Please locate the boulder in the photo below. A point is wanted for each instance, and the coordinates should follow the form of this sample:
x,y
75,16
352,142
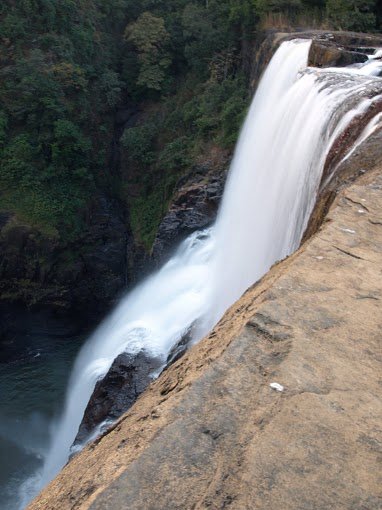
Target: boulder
x,y
113,395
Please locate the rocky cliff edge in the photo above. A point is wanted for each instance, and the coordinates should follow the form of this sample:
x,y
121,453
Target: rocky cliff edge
x,y
212,432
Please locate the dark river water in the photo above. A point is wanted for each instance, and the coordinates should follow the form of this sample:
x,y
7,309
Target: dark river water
x,y
34,370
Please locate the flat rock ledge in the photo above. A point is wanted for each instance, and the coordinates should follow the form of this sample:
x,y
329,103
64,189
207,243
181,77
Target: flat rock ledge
x,y
213,433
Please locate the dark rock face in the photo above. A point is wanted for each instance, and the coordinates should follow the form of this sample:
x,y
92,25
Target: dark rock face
x,y
43,272
125,116
194,207
113,395
104,258
127,378
180,348
328,55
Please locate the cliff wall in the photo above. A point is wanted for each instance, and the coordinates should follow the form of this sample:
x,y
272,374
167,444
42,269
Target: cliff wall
x,y
212,432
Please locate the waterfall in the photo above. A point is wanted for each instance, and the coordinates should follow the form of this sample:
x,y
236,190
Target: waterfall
x,y
153,317
274,177
294,119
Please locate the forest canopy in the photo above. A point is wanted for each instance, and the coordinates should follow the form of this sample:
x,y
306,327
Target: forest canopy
x,y
66,66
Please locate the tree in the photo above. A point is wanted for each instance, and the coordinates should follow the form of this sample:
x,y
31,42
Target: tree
x,y
149,36
289,6
203,36
69,150
355,15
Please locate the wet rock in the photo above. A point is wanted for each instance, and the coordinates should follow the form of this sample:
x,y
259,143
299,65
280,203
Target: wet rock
x,y
367,155
180,348
194,208
126,379
113,395
329,55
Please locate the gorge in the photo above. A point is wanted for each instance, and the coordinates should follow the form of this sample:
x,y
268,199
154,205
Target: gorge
x,y
301,119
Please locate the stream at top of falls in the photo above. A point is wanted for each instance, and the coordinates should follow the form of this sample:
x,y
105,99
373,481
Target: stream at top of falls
x,y
295,117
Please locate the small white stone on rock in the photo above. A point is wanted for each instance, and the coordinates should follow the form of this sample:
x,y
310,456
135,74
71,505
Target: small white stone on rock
x,y
348,230
319,258
361,211
276,386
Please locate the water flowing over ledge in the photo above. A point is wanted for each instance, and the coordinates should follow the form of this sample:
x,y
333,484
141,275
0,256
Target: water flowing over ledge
x,y
296,116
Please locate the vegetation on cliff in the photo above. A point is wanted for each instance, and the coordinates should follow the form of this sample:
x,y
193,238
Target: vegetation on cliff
x,y
68,67
59,84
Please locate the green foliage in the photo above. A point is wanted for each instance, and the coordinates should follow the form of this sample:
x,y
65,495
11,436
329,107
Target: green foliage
x,y
219,112
110,87
170,140
175,155
13,28
358,15
18,162
145,215
38,198
150,37
70,76
67,65
139,144
59,73
202,35
288,6
69,150
3,128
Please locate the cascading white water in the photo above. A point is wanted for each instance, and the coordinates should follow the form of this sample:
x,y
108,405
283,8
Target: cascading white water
x,y
270,193
153,317
276,171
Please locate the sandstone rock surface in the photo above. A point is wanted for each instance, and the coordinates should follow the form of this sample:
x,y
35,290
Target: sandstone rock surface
x,y
212,433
